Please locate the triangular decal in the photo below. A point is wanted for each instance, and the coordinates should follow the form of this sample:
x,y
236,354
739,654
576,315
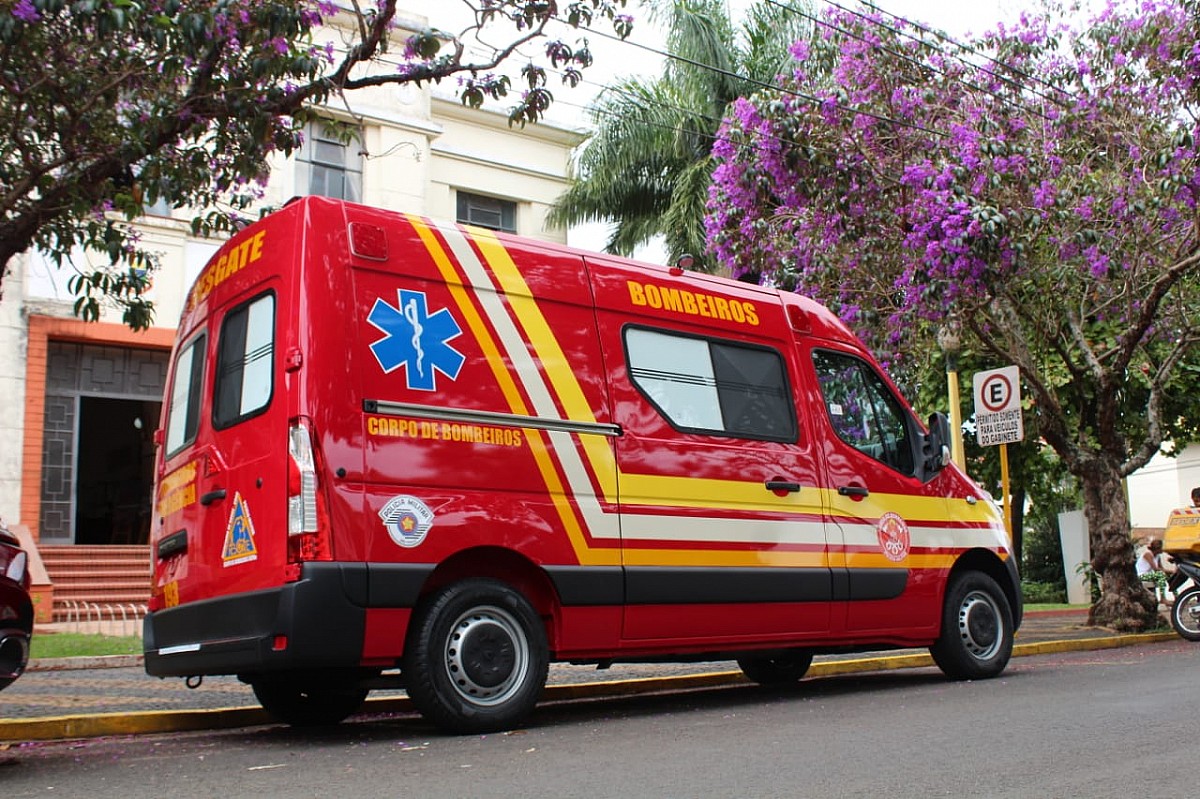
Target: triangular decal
x,y
239,535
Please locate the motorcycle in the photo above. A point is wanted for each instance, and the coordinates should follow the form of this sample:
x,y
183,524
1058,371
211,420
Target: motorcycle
x,y
1185,613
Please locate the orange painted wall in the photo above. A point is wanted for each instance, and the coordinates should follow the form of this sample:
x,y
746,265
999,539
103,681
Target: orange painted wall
x,y
43,330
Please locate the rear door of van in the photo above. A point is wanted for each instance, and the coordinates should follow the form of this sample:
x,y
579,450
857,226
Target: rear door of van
x,y
221,501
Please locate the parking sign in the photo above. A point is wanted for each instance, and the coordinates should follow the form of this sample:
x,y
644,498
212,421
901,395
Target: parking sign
x,y
998,407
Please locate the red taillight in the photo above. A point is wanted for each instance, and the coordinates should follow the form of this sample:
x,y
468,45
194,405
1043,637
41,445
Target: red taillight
x,y
13,565
293,485
308,516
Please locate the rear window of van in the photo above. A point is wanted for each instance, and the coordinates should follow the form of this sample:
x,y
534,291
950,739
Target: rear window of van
x,y
245,358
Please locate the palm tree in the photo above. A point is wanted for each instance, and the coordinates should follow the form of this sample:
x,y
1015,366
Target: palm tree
x,y
647,166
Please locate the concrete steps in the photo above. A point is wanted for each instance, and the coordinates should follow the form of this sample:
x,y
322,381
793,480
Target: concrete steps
x,y
104,581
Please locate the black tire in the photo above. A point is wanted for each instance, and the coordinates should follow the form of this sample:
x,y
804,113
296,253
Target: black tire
x,y
780,669
476,658
977,629
306,702
1185,614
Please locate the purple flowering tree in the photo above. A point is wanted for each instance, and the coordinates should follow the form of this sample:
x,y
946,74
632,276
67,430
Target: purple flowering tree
x,y
1038,187
108,106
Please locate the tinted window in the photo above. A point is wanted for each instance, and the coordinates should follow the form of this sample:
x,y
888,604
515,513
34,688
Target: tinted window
x,y
183,415
707,386
244,361
864,413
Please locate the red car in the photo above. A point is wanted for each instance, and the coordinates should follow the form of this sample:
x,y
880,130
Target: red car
x,y
16,609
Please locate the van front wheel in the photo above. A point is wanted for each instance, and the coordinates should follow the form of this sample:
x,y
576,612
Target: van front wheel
x,y
476,658
305,703
977,629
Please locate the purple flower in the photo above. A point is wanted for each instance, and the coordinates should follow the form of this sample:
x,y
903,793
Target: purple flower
x,y
24,10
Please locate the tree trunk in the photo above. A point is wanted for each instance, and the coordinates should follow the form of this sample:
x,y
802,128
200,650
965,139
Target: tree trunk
x,y
1124,603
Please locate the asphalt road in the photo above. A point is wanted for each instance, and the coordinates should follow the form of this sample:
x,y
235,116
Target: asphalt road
x,y
1108,723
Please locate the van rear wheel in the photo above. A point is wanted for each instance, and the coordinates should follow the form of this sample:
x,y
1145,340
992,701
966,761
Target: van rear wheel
x,y
476,658
306,703
779,669
977,629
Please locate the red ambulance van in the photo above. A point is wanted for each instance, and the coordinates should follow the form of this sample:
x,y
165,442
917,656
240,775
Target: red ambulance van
x,y
398,452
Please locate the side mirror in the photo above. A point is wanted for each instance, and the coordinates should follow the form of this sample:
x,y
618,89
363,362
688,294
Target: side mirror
x,y
936,448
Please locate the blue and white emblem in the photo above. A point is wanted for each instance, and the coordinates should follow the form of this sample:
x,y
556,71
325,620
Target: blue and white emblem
x,y
407,520
416,340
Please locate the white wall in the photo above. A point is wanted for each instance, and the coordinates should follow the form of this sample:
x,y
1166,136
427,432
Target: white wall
x,y
1162,485
13,344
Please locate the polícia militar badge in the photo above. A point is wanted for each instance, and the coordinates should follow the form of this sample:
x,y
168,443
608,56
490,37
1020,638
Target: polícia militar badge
x,y
407,520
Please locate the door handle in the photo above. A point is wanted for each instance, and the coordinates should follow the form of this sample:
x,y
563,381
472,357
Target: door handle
x,y
853,491
786,486
212,496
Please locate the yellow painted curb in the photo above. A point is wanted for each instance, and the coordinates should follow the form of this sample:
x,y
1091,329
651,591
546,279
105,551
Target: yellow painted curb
x,y
102,724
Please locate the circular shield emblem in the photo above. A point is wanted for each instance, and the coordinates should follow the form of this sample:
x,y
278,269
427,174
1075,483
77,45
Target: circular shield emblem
x,y
893,537
407,520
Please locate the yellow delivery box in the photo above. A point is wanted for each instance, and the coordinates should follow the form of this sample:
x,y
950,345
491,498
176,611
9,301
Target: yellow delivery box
x,y
1183,531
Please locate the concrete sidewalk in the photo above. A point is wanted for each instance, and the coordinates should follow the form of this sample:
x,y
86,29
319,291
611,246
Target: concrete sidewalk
x,y
86,697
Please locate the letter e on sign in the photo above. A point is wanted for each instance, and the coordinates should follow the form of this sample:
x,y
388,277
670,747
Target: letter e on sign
x,y
998,406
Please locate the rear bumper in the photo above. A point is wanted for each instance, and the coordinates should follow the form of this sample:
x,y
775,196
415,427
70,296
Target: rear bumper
x,y
322,617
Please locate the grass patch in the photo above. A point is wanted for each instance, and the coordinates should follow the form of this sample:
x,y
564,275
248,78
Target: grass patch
x,y
73,645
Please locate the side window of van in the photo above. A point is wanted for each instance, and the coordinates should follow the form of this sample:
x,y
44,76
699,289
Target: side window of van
x,y
183,416
709,386
864,413
244,361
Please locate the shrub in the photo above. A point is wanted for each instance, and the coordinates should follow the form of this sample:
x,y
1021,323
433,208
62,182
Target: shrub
x,y
1042,593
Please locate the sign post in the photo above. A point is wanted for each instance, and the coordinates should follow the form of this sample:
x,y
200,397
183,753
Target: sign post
x,y
998,420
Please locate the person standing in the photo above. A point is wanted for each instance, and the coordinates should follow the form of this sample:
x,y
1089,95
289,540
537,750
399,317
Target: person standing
x,y
1150,569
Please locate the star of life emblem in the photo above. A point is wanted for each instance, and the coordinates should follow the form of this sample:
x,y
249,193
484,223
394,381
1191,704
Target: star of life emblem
x,y
416,339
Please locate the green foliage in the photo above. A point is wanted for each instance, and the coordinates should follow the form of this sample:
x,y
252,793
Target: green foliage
x,y
1046,202
110,106
1093,580
1037,593
647,167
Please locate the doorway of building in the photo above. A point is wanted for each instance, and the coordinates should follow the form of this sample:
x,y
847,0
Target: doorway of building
x,y
114,470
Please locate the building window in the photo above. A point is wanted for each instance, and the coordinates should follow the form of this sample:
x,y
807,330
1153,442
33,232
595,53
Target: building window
x,y
488,212
328,166
160,207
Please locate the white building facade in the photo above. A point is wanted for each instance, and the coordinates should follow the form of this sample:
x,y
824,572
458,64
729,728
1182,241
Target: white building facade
x,y
1162,485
